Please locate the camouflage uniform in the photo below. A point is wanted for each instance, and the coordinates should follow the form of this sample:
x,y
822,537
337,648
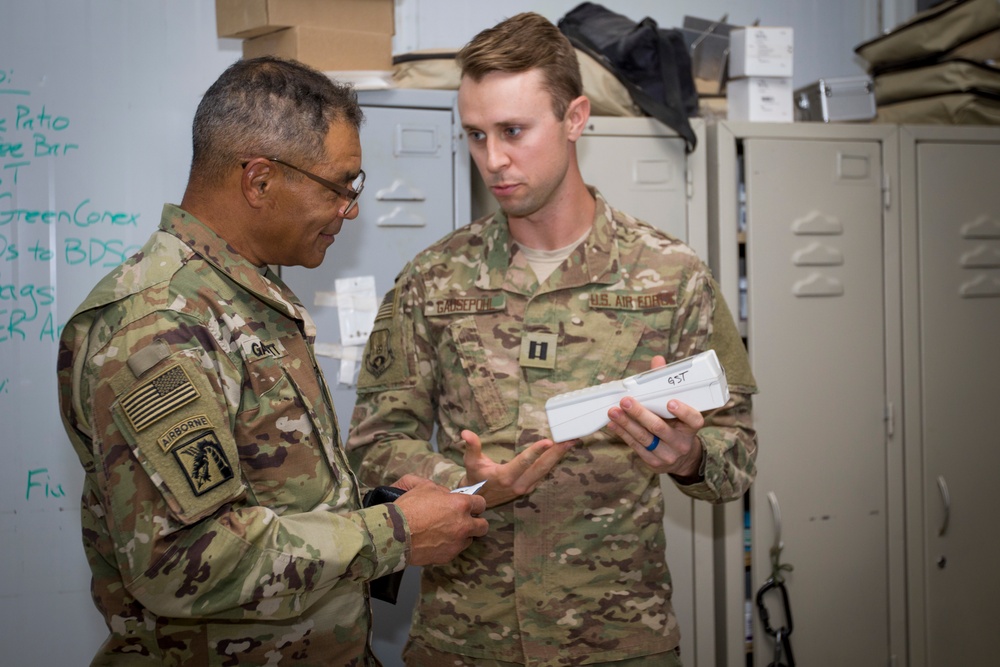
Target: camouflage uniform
x,y
574,572
220,518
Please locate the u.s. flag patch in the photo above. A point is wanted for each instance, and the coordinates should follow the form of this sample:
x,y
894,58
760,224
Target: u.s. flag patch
x,y
158,397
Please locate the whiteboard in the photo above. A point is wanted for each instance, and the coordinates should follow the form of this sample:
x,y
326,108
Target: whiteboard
x,y
96,103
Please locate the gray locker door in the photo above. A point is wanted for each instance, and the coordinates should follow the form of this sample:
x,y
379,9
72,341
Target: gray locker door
x,y
959,308
816,339
642,175
408,203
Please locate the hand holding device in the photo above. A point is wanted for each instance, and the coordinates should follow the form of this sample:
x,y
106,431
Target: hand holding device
x,y
699,381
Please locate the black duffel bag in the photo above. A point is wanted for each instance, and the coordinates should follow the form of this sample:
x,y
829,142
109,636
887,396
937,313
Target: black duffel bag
x,y
651,62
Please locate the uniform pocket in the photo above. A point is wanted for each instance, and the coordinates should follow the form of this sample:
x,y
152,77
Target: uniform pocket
x,y
278,428
473,355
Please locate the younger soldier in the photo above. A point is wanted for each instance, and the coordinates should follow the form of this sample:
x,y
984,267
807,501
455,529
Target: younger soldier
x,y
554,292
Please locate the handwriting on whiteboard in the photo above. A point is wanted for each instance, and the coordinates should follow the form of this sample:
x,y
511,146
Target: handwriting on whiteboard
x,y
81,233
40,485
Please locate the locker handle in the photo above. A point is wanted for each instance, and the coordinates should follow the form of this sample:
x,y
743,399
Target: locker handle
x,y
772,499
946,500
399,191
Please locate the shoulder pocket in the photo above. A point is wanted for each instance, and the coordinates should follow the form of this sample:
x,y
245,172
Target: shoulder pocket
x,y
178,429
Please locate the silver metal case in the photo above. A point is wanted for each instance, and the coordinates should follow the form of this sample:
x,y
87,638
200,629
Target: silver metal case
x,y
836,99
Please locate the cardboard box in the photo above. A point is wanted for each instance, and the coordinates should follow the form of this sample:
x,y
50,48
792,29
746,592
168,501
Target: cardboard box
x,y
251,18
760,98
760,51
324,49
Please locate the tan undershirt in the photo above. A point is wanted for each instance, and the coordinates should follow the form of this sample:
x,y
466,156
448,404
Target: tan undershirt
x,y
544,262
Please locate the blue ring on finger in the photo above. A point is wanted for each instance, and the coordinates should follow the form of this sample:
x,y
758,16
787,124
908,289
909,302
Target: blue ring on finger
x,y
653,445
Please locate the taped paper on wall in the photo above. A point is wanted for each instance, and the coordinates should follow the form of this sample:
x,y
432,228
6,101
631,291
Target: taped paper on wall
x,y
356,301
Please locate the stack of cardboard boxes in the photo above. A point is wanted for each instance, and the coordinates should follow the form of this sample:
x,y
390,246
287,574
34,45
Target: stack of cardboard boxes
x,y
329,35
760,74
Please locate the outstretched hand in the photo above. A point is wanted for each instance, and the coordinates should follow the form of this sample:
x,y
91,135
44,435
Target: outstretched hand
x,y
679,451
520,475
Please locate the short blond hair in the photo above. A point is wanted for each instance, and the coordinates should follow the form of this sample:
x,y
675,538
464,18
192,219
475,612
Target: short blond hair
x,y
524,42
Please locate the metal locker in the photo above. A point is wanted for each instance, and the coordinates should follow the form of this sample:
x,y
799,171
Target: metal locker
x,y
821,268
951,310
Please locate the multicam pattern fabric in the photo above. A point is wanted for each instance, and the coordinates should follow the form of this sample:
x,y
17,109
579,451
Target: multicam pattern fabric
x,y
221,521
575,572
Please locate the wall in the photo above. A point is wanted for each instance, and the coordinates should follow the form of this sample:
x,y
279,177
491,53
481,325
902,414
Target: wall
x,y
96,101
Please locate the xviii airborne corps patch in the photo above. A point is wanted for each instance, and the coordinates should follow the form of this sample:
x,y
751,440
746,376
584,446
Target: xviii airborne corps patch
x,y
204,463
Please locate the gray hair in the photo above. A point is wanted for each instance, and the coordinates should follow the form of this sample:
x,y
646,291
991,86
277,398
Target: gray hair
x,y
268,107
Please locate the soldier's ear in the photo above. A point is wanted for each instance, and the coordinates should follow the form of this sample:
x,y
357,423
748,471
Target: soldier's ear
x,y
577,115
257,181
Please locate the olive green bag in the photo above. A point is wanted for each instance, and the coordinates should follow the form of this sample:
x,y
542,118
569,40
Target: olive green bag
x,y
931,33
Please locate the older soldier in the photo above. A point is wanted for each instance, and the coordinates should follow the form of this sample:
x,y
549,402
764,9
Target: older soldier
x,y
554,292
220,518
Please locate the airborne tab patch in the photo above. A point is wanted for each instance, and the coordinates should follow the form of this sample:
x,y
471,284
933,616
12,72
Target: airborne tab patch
x,y
182,428
158,397
204,463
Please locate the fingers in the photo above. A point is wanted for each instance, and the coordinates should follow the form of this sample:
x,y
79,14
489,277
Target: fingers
x,y
665,445
534,463
473,444
408,482
441,524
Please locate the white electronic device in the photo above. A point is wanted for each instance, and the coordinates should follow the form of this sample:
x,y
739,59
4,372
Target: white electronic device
x,y
699,381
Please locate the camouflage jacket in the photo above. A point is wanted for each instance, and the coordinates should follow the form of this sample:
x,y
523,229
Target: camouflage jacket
x,y
220,518
574,572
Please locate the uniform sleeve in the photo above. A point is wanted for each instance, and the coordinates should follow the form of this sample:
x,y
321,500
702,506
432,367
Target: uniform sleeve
x,y
394,414
187,533
728,437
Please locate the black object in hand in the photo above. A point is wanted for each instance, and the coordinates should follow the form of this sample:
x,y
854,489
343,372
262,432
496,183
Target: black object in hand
x,y
384,588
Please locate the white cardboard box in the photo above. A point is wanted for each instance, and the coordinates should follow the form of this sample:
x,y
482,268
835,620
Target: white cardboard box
x,y
760,99
760,51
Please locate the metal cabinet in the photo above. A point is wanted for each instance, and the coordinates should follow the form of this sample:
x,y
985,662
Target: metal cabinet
x,y
951,311
820,253
417,190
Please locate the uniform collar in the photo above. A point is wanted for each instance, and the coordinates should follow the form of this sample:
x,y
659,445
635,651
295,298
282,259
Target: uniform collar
x,y
205,243
596,260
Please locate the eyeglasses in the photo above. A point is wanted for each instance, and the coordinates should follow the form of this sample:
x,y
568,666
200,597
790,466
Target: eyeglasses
x,y
351,194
